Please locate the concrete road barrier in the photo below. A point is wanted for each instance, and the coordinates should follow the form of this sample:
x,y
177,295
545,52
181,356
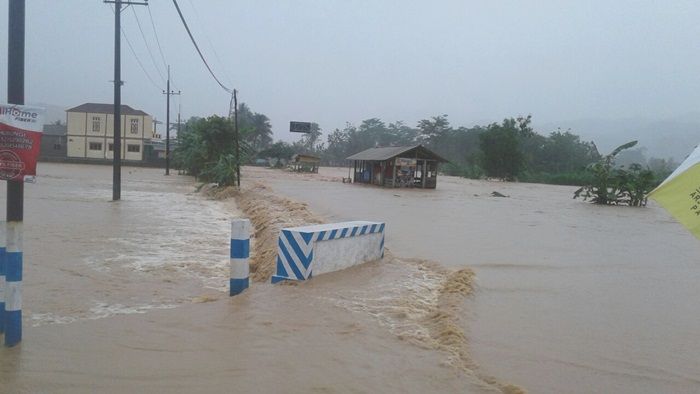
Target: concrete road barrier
x,y
318,249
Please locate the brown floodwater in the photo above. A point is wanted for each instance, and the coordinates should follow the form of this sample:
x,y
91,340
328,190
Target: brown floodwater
x,y
570,297
130,296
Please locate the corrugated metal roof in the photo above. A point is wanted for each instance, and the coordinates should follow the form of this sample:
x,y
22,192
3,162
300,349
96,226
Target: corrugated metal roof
x,y
99,108
381,154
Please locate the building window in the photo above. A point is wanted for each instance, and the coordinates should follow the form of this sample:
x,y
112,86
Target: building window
x,y
133,148
110,146
134,126
95,146
56,146
96,127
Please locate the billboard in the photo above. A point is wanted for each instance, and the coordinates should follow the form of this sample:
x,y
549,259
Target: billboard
x,y
20,140
406,162
300,127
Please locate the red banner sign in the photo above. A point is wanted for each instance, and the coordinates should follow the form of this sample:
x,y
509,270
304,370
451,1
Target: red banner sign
x,y
20,140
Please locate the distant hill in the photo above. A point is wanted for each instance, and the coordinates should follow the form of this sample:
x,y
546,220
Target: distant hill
x,y
669,138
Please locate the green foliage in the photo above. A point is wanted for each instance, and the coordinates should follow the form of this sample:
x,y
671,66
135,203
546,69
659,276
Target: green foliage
x,y
255,128
561,152
278,150
433,128
471,171
206,150
573,178
223,173
635,184
342,143
613,185
500,147
309,143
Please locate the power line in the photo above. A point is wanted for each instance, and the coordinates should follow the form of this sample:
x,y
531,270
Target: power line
x,y
133,52
148,48
155,32
199,51
206,36
160,48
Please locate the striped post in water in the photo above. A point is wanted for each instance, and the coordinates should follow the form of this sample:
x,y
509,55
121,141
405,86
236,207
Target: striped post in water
x,y
240,251
3,240
13,284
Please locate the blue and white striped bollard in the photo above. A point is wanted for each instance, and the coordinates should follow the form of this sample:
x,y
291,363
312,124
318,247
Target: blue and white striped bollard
x,y
13,284
3,240
240,251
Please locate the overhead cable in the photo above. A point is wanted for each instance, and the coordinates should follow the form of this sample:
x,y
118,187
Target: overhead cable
x,y
138,61
155,32
198,50
207,37
148,47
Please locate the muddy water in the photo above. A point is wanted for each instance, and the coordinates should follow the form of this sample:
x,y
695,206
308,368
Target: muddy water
x,y
570,297
130,296
84,251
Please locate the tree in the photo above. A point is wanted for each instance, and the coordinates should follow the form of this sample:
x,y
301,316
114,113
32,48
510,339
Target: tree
x,y
206,150
401,134
562,152
255,127
278,150
309,141
501,155
433,128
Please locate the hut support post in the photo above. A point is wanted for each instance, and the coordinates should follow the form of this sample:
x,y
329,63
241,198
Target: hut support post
x,y
382,168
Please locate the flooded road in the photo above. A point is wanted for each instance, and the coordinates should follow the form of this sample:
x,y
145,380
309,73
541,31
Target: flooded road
x,y
84,250
131,296
570,297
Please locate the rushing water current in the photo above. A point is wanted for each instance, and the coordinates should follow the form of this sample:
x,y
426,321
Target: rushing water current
x,y
130,296
571,297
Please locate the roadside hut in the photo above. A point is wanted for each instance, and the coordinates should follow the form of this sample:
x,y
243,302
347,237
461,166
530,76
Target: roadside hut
x,y
305,163
397,166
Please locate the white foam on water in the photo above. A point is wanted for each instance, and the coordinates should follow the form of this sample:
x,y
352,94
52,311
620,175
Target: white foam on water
x,y
401,304
173,234
101,310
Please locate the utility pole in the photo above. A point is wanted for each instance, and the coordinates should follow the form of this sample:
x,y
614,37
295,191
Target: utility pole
x,y
117,161
178,123
235,136
168,93
15,189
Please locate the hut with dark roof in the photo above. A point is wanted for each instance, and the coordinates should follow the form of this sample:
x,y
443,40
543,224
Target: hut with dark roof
x,y
397,166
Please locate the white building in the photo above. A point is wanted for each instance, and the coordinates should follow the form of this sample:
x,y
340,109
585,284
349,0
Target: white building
x,y
91,131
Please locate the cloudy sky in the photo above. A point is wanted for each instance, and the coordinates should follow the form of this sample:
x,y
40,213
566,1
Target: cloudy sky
x,y
337,61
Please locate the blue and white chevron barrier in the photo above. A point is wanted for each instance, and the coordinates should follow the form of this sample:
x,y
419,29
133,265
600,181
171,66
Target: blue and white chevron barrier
x,y
313,250
240,252
3,241
13,284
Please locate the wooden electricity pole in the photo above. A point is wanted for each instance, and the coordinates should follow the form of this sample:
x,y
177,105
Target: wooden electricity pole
x,y
235,133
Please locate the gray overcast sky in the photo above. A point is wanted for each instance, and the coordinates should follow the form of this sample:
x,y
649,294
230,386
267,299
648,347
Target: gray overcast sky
x,y
338,61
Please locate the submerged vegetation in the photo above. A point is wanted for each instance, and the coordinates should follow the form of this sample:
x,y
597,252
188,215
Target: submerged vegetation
x,y
615,185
